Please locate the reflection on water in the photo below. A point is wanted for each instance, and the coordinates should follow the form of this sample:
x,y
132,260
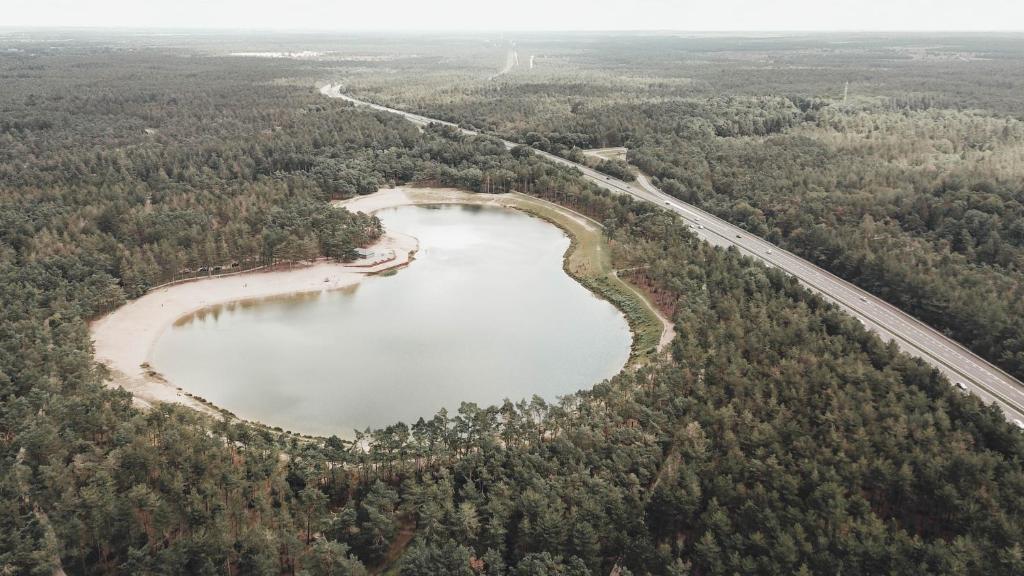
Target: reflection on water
x,y
484,313
287,300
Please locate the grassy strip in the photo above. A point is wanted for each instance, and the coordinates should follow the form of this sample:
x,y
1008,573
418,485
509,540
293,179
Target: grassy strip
x,y
588,260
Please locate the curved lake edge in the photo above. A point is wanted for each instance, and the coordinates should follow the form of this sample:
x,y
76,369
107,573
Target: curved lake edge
x,y
123,339
151,313
587,260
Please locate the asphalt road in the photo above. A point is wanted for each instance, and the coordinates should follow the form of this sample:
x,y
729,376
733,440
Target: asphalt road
x,y
958,363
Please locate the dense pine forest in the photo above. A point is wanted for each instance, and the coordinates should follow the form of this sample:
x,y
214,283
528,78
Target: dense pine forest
x,y
777,436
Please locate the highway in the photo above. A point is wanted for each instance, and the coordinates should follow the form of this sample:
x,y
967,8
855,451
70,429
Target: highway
x,y
959,364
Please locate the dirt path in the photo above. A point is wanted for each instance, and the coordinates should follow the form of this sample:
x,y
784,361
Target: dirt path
x,y
668,328
511,61
406,532
615,153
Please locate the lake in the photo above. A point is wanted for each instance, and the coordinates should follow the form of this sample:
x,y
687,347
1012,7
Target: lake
x,y
484,313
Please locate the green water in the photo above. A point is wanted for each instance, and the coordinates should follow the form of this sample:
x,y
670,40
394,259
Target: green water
x,y
484,313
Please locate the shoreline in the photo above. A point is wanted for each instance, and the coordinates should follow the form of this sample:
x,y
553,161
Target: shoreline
x,y
123,340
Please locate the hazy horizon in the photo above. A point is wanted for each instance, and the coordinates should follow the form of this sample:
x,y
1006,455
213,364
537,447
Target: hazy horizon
x,y
725,16
182,30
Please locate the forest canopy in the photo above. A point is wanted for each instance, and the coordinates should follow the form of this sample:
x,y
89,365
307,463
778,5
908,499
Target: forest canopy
x,y
778,436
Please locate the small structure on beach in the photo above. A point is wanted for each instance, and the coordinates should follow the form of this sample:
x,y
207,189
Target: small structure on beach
x,y
369,257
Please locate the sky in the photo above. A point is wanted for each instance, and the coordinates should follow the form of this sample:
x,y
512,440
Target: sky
x,y
488,15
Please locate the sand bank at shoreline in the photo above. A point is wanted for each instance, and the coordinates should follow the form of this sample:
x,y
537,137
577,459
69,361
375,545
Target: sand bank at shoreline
x,y
123,339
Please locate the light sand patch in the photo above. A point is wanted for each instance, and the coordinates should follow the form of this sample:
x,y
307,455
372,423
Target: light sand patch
x,y
616,153
407,195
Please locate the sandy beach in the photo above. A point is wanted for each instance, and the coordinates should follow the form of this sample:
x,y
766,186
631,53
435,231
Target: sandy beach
x,y
123,339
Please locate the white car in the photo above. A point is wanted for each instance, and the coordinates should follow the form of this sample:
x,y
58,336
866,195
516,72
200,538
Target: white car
x,y
1019,424
863,299
769,252
960,386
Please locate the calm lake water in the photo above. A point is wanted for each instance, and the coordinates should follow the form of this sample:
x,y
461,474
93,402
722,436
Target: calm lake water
x,y
484,313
